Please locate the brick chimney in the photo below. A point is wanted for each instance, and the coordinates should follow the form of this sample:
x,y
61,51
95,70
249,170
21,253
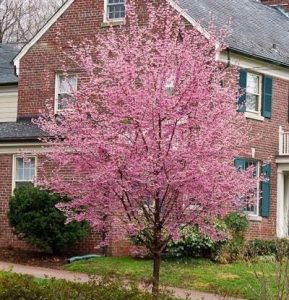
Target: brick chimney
x,y
282,3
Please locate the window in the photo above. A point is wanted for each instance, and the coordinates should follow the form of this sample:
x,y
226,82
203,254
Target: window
x,y
253,93
254,209
24,171
256,95
170,85
65,85
114,10
243,164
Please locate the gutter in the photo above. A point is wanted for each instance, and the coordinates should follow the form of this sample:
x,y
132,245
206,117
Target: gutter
x,y
21,140
265,59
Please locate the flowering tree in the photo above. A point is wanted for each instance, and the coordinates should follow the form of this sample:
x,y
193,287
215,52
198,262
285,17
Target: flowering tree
x,y
151,136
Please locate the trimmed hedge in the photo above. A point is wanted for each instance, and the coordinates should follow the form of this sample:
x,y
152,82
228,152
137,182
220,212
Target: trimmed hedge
x,y
35,219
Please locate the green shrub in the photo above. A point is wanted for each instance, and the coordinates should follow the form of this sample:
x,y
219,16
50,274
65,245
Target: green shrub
x,y
19,287
34,218
260,248
236,225
278,248
192,244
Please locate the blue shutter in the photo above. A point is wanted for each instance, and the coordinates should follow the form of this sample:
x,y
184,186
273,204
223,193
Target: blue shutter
x,y
243,85
267,97
240,163
265,188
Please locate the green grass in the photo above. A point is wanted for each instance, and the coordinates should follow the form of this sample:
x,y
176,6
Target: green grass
x,y
236,279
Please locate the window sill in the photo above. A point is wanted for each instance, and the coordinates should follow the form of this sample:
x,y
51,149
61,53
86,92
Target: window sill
x,y
112,23
250,115
254,218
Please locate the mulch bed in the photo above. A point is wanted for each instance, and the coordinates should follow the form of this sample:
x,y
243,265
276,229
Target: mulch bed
x,y
32,258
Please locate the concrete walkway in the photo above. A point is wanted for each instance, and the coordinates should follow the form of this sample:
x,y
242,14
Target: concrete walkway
x,y
81,277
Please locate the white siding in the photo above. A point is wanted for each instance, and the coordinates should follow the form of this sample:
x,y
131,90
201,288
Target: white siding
x,y
8,104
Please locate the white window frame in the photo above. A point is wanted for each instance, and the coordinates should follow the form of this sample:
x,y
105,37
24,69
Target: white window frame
x,y
106,18
15,157
253,112
258,190
57,86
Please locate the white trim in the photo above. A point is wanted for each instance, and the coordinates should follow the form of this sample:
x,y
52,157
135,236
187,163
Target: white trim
x,y
40,33
282,160
254,218
18,148
254,116
15,156
255,65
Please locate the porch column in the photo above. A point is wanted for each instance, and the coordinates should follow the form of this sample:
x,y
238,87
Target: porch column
x,y
281,230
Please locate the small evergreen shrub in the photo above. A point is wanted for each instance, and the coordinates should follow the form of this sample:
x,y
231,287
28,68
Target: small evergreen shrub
x,y
35,219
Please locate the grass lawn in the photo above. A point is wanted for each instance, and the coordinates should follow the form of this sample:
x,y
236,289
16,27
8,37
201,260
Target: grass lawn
x,y
236,279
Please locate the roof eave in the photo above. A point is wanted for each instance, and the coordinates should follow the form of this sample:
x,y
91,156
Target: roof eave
x,y
265,59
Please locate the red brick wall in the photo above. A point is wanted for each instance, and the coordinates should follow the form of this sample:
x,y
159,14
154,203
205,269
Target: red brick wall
x,y
266,146
83,20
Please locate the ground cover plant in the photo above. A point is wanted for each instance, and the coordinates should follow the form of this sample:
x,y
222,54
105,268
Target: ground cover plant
x,y
152,134
20,287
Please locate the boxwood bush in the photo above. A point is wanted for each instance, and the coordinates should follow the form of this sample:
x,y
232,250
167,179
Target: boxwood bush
x,y
35,219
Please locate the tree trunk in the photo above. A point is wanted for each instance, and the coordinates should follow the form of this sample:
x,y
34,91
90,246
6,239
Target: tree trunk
x,y
156,275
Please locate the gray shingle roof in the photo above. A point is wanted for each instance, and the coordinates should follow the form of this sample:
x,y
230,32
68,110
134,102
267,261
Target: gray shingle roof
x,y
7,53
20,131
255,27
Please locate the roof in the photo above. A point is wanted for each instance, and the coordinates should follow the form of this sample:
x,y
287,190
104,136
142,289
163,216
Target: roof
x,y
255,27
7,71
20,131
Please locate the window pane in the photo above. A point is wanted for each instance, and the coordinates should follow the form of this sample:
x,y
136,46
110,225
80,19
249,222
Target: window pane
x,y
64,100
253,83
67,84
116,10
25,170
252,102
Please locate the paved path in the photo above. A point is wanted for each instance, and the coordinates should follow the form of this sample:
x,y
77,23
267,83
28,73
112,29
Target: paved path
x,y
80,277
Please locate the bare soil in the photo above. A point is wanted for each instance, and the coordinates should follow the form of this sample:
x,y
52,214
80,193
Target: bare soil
x,y
32,258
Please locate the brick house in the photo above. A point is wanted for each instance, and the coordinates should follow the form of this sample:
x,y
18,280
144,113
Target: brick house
x,y
257,44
